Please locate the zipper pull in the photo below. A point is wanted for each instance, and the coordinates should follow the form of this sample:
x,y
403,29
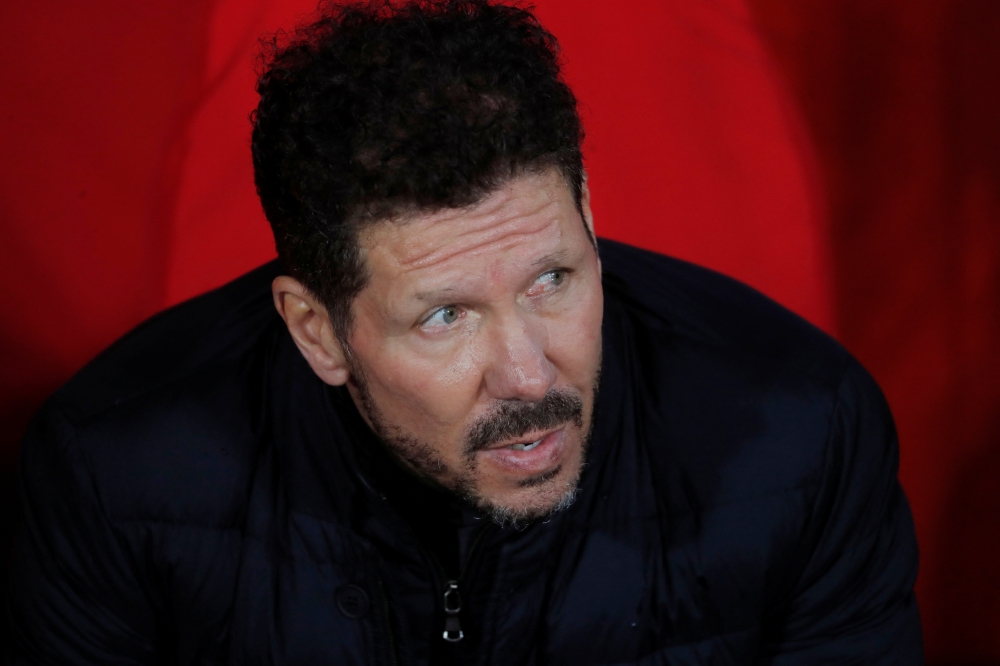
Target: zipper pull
x,y
452,607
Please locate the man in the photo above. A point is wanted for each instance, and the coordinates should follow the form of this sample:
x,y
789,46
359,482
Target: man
x,y
471,433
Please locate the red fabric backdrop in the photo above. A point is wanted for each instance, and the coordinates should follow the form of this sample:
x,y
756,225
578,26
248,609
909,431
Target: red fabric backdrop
x,y
903,102
840,156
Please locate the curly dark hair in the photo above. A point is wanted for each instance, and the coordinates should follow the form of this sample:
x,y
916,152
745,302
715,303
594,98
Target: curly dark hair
x,y
382,107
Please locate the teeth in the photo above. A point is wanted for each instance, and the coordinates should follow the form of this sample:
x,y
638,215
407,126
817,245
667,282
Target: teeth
x,y
525,447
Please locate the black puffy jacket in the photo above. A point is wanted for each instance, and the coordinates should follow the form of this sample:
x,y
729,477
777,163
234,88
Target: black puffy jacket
x,y
195,496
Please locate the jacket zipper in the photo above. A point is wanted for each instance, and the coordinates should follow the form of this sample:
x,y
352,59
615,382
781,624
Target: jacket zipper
x,y
452,607
453,597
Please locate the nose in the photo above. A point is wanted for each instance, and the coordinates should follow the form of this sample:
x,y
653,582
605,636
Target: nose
x,y
517,366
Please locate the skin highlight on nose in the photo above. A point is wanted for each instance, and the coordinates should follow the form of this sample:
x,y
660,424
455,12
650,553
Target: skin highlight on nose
x,y
519,368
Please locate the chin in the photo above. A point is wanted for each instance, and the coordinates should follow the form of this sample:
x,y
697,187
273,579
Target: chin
x,y
535,498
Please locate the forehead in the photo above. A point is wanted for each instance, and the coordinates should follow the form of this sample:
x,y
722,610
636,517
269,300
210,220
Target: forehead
x,y
534,212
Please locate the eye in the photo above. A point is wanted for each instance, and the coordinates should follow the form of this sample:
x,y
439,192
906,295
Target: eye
x,y
548,282
445,316
554,277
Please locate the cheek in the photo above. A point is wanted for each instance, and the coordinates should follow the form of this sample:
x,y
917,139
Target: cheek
x,y
575,338
438,392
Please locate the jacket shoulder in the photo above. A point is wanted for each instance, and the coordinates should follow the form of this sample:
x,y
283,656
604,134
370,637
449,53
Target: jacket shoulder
x,y
675,300
727,383
174,345
165,420
773,456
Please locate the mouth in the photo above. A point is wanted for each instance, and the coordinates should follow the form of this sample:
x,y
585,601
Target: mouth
x,y
529,456
526,442
524,447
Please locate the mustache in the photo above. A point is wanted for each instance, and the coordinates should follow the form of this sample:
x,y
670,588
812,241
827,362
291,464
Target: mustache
x,y
514,418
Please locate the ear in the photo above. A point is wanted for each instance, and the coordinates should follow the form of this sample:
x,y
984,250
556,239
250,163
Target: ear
x,y
310,326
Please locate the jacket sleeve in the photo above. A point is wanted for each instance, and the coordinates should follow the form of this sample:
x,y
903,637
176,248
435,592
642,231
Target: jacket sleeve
x,y
852,601
74,596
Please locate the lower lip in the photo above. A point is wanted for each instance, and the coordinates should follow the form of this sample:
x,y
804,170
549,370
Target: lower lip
x,y
538,460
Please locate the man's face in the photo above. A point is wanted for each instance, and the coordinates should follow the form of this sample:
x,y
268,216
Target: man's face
x,y
476,345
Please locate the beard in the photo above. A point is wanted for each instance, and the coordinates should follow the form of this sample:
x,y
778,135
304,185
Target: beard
x,y
508,419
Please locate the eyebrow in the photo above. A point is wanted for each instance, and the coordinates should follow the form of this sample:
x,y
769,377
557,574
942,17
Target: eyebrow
x,y
550,259
436,295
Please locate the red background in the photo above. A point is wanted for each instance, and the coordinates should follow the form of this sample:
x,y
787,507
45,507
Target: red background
x,y
843,156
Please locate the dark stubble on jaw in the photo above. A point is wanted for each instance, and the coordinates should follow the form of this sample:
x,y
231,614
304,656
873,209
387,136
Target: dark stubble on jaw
x,y
510,420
